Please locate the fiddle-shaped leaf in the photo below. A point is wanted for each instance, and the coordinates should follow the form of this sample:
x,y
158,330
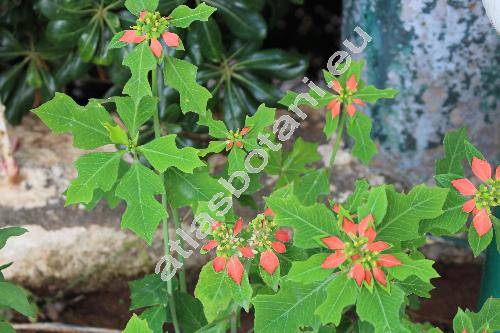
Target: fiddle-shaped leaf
x,y
181,75
341,292
183,16
138,188
134,115
359,128
62,115
163,153
140,61
95,171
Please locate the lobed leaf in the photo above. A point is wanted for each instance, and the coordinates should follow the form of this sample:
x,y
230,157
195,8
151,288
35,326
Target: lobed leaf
x,y
406,211
163,153
359,128
138,188
309,223
183,16
181,76
95,171
140,61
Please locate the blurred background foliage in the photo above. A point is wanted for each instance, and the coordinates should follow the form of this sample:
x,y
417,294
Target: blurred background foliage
x,y
61,45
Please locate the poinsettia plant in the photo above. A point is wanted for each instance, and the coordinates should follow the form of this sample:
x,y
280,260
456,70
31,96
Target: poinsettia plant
x,y
303,263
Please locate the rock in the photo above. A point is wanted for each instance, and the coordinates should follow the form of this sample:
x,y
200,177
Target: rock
x,y
66,248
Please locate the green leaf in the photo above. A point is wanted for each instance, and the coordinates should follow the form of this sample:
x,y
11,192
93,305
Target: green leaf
x,y
117,135
148,291
311,186
140,61
87,43
241,20
236,160
95,171
454,153
213,147
115,42
371,94
216,128
273,280
15,298
274,63
341,293
138,188
376,204
471,151
405,211
358,197
382,309
309,223
331,125
163,153
137,325
290,165
310,270
479,243
190,312
181,75
62,114
155,316
264,117
451,221
462,322
6,328
208,39
488,317
137,6
413,285
188,189
291,308
183,16
236,104
216,290
359,128
135,115
422,268
7,232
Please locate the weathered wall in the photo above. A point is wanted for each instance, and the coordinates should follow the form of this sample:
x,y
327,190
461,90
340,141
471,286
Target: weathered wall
x,y
444,57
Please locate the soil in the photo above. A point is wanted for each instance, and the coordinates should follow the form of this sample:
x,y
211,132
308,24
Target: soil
x,y
457,287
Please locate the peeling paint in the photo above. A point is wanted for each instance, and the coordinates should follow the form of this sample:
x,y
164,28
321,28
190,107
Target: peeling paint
x,y
444,57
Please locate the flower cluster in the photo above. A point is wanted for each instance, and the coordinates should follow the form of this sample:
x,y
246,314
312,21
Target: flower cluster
x,y
151,26
235,137
260,237
484,198
345,96
360,253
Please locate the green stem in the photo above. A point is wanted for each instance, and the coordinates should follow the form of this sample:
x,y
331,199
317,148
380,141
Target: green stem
x,y
182,272
234,320
166,236
336,144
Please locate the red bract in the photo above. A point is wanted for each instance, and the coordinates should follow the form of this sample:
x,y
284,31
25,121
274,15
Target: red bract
x,y
361,251
485,197
268,241
235,137
228,246
150,26
345,96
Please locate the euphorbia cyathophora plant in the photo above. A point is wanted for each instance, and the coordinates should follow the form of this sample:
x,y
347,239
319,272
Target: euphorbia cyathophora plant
x,y
302,263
